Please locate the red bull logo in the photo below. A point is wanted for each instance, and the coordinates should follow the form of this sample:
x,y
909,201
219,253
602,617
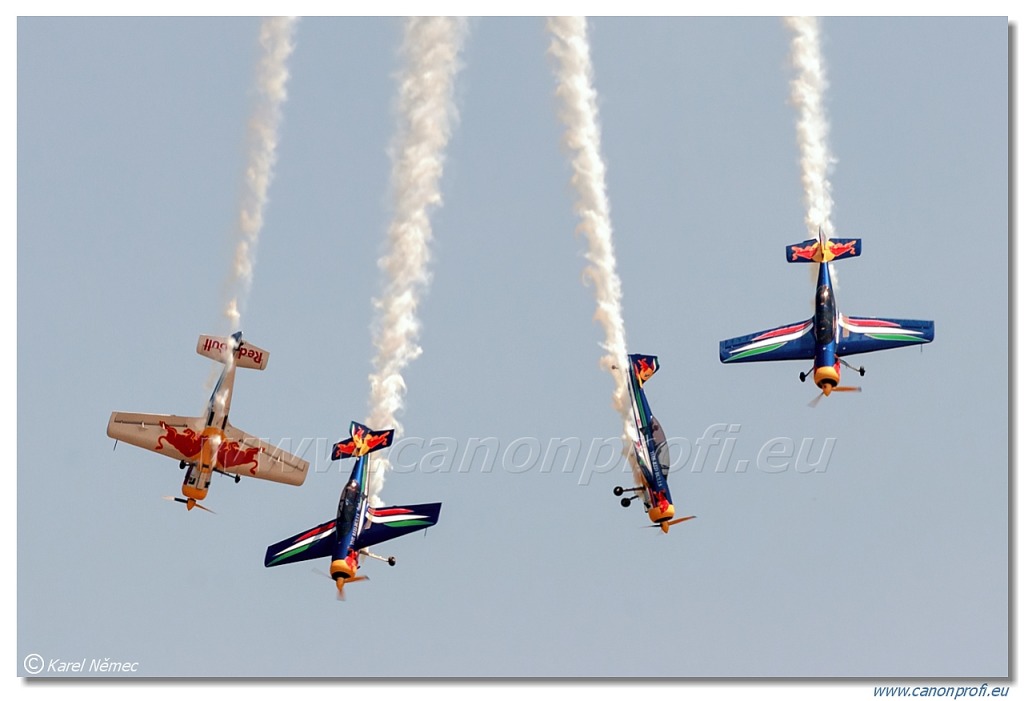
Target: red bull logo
x,y
187,442
803,252
841,249
230,454
343,449
364,441
643,369
190,444
374,441
243,351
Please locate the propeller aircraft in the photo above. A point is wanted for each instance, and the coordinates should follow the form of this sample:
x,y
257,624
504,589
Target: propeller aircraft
x,y
357,526
206,444
827,337
650,450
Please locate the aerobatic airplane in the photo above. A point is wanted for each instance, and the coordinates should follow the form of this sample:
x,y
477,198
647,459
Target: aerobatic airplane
x,y
207,444
650,449
357,526
828,336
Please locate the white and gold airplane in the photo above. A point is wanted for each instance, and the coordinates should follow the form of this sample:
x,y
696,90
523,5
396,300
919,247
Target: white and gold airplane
x,y
209,443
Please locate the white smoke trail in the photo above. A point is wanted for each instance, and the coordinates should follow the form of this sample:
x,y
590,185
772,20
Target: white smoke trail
x,y
807,94
571,50
426,112
272,75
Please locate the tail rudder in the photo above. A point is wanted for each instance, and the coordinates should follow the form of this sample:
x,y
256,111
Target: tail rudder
x,y
644,366
246,355
363,440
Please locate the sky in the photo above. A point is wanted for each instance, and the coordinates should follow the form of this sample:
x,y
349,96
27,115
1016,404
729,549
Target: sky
x,y
884,554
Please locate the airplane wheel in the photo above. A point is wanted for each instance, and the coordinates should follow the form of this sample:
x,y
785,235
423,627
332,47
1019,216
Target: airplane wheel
x,y
391,561
617,491
625,502
181,465
861,372
803,377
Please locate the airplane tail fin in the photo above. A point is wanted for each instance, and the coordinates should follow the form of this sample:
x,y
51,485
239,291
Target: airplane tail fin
x,y
363,440
822,250
644,366
246,354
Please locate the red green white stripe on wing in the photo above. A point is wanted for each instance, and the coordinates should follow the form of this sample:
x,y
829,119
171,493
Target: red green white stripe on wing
x,y
396,517
880,329
305,541
770,340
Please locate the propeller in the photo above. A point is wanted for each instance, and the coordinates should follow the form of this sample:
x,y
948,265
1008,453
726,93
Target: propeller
x,y
189,503
841,388
665,526
340,582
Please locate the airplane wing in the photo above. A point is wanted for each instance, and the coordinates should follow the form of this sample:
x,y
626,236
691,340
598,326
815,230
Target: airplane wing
x,y
308,545
387,522
791,342
177,437
866,334
246,455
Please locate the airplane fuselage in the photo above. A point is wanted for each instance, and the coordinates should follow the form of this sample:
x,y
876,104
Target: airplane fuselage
x,y
351,514
647,449
826,326
196,483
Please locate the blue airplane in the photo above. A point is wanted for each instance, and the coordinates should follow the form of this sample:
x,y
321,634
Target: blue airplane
x,y
828,336
650,450
358,526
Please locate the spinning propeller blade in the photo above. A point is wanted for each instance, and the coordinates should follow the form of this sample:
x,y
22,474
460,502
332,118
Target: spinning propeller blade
x,y
841,388
188,505
340,582
665,525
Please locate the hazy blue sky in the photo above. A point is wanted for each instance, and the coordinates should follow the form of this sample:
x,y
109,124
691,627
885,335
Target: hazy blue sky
x,y
888,559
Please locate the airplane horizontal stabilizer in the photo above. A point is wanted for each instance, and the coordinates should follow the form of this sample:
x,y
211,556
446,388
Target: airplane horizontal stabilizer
x,y
363,440
810,251
246,354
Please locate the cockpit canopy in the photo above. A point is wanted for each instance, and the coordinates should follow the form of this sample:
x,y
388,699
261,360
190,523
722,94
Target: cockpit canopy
x,y
824,315
660,446
348,503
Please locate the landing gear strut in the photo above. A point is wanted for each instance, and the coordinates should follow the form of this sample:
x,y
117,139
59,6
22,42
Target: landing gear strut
x,y
236,478
859,370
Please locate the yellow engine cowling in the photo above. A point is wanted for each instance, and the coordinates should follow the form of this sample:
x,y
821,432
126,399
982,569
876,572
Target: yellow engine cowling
x,y
659,514
826,377
342,569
